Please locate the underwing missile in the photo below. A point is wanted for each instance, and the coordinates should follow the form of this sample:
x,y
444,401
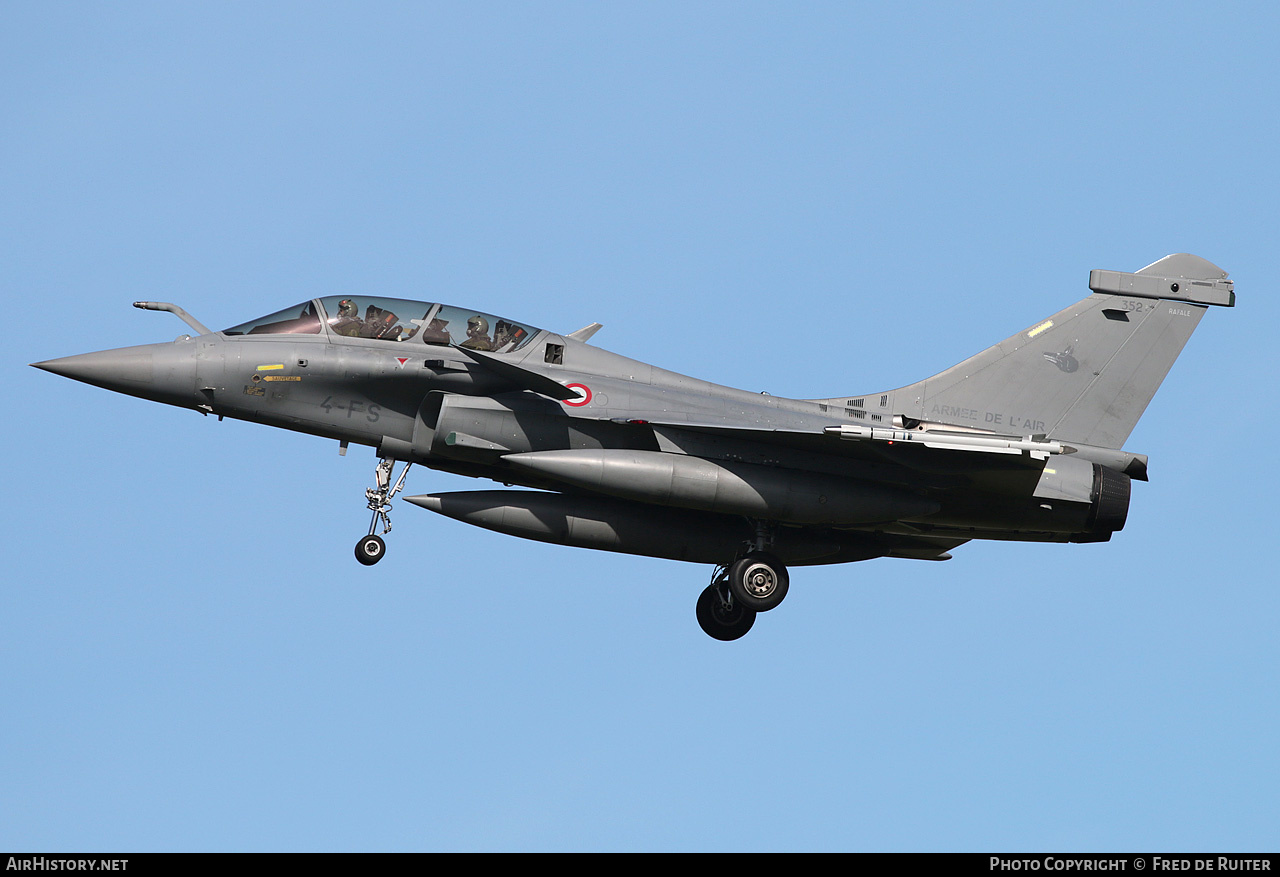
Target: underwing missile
x,y
949,441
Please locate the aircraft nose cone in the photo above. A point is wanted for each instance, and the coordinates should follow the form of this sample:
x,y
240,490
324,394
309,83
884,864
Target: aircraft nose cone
x,y
159,372
122,370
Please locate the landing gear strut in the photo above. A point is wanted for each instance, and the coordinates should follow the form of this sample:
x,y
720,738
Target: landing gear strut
x,y
371,548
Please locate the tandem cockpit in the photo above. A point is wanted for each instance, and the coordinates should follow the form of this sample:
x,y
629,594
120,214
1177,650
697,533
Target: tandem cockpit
x,y
393,319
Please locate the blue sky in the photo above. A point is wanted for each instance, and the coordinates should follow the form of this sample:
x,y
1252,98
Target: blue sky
x,y
809,199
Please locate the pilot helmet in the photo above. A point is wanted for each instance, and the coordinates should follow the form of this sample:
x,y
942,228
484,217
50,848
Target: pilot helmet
x,y
477,325
347,308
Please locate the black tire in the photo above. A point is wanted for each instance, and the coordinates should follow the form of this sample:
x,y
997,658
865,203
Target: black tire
x,y
720,622
370,549
759,581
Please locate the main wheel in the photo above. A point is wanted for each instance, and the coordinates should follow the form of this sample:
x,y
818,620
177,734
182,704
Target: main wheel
x,y
725,623
759,581
370,549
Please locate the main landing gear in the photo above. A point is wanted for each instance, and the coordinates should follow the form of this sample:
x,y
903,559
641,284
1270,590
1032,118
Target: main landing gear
x,y
371,548
751,584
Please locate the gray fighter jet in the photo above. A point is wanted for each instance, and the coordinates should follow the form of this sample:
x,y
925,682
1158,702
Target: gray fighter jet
x,y
1022,441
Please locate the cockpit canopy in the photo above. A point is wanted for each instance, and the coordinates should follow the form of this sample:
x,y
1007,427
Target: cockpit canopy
x,y
298,320
393,319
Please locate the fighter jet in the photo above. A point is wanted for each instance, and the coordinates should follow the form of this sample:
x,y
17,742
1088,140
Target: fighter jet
x,y
1023,441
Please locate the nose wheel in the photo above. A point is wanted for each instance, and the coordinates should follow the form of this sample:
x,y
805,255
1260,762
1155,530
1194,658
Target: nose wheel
x,y
371,548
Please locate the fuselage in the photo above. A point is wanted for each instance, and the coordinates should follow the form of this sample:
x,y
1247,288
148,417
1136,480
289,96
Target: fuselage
x,y
458,390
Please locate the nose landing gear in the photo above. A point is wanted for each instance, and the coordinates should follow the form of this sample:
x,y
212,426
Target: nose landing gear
x,y
371,548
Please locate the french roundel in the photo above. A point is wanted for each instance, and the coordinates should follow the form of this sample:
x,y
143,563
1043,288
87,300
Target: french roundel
x,y
583,400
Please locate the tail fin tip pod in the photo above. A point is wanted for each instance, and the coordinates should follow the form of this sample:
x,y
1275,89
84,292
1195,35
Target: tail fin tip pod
x,y
1179,277
1084,374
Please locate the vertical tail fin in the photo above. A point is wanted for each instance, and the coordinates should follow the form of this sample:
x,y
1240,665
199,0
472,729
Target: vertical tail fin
x,y
1086,373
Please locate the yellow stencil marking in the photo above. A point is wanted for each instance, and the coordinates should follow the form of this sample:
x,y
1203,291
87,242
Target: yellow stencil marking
x,y
1047,324
270,368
